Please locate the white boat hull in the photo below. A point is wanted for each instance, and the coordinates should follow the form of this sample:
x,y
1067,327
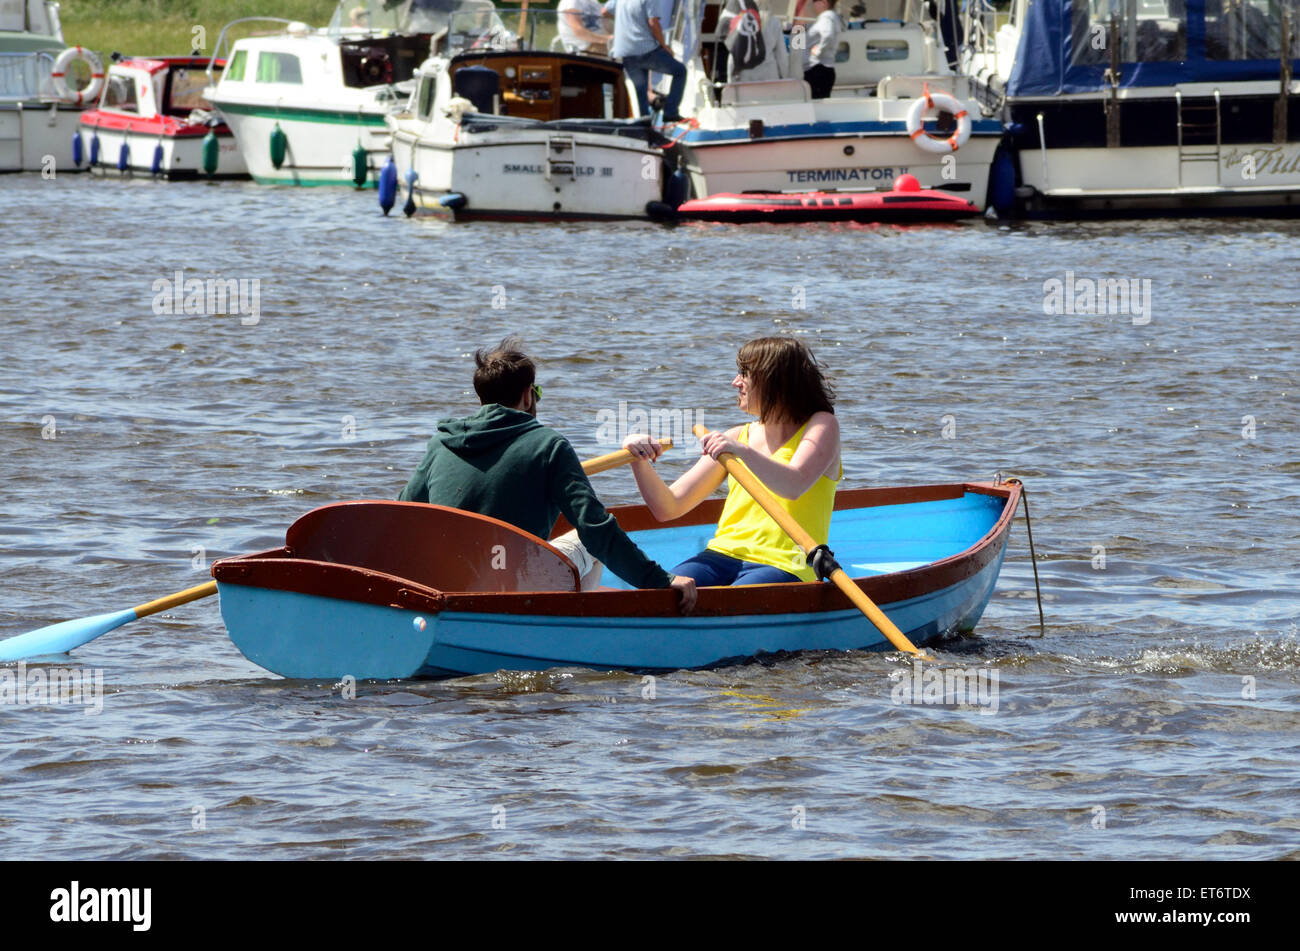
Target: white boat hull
x,y
845,161
1244,178
37,137
181,158
319,148
510,175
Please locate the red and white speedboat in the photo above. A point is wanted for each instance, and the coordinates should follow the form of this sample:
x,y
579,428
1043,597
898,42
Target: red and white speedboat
x,y
906,202
153,120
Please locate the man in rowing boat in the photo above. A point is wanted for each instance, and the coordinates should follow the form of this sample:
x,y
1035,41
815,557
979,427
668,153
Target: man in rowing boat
x,y
501,462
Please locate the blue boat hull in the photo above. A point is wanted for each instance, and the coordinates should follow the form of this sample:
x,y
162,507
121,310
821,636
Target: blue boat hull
x,y
891,548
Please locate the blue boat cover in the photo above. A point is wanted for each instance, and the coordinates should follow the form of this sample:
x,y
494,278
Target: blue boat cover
x,y
1063,44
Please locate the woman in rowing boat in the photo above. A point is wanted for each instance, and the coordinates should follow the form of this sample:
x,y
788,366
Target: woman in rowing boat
x,y
793,449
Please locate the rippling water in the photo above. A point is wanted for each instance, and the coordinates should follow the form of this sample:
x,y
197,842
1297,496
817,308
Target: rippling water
x,y
1156,719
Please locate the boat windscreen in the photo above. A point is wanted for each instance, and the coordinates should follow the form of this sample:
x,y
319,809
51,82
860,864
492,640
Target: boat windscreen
x,y
185,92
396,16
479,25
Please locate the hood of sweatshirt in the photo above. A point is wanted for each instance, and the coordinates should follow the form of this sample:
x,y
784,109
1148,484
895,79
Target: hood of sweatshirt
x,y
483,432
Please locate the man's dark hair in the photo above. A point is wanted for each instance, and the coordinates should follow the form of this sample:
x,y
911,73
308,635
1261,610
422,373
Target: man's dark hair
x,y
503,373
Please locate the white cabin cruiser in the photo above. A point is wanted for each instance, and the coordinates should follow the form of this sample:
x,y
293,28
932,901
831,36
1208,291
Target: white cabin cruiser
x,y
40,100
307,106
1118,107
898,105
505,124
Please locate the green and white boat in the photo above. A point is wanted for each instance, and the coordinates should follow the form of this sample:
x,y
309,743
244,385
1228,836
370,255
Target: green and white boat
x,y
307,106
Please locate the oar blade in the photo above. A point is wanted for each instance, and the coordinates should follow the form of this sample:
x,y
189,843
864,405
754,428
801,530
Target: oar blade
x,y
62,637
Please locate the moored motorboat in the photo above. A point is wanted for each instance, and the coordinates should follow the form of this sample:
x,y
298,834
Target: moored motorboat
x,y
152,119
898,106
503,124
393,590
41,97
307,106
1160,107
907,202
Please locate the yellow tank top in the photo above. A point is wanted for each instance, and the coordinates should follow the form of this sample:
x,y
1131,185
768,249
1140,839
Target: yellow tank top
x,y
746,532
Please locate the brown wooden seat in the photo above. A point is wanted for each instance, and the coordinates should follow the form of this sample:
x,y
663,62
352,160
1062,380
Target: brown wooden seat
x,y
432,545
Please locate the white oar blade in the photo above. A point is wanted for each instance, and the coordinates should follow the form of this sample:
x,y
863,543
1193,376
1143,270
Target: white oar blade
x,y
62,637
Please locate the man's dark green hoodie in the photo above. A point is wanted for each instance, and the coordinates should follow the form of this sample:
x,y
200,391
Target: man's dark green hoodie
x,y
503,463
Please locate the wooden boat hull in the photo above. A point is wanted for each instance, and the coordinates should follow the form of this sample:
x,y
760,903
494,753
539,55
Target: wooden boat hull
x,y
280,616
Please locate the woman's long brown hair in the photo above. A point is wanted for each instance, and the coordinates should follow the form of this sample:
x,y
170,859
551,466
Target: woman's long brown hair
x,y
791,384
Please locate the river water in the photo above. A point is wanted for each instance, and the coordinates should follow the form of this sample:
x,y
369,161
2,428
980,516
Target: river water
x,y
1157,719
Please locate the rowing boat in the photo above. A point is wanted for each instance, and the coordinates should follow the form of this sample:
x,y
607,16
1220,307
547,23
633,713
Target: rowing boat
x,y
388,590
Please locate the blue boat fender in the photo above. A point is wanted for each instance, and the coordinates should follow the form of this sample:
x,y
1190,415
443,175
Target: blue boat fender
x,y
156,165
676,189
123,157
453,200
388,186
412,176
94,148
1002,182
77,149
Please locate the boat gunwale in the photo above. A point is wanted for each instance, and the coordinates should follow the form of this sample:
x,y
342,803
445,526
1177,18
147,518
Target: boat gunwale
x,y
277,569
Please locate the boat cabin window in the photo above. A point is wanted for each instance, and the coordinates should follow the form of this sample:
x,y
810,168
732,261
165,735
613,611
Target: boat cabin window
x,y
380,60
120,95
278,68
428,88
1149,31
885,51
235,71
1249,29
185,91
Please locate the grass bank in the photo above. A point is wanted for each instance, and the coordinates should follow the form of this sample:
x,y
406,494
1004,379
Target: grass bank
x,y
158,27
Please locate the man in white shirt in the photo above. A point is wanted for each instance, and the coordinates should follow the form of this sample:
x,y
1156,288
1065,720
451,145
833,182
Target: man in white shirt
x,y
580,27
821,39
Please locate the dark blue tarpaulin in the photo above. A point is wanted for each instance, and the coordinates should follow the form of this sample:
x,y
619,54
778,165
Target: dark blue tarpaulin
x,y
1059,51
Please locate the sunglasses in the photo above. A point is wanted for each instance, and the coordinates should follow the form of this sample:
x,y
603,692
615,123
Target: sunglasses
x,y
537,392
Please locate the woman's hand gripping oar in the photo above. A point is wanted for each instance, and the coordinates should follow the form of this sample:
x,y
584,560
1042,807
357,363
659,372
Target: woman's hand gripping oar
x,y
819,556
67,635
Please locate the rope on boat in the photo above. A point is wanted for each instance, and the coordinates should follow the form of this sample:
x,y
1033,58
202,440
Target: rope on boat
x,y
689,124
1033,559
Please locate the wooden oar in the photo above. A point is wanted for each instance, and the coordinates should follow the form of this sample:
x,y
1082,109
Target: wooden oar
x,y
819,556
66,635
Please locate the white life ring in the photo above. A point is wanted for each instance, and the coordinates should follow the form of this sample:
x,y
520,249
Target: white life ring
x,y
60,73
916,122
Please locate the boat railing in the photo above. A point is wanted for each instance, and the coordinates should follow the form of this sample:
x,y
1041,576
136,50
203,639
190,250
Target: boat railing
x,y
26,76
221,37
980,26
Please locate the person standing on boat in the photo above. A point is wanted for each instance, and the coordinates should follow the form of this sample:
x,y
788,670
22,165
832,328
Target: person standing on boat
x,y
502,463
639,42
821,40
793,449
580,27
